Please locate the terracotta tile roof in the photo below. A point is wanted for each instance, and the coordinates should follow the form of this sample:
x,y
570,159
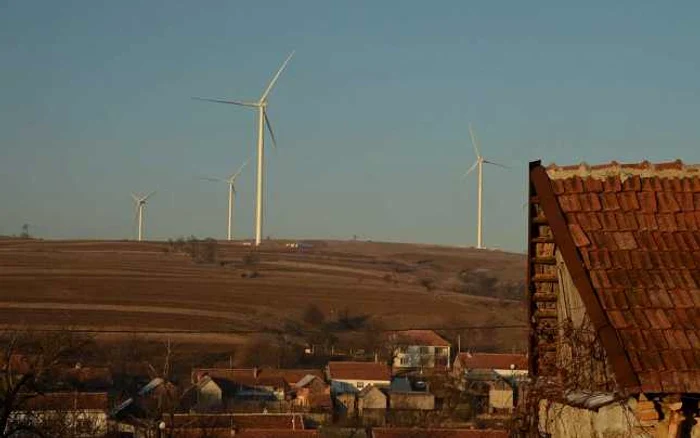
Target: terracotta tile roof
x,y
67,401
292,375
492,361
405,432
242,376
420,337
359,371
637,230
238,421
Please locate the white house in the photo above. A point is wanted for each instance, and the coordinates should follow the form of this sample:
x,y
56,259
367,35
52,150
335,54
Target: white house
x,y
419,349
351,377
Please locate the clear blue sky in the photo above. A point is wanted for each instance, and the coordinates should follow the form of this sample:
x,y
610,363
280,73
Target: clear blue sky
x,y
371,116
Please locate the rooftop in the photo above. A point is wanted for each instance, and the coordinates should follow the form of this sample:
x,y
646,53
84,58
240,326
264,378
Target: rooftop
x,y
359,371
420,337
492,361
66,401
636,229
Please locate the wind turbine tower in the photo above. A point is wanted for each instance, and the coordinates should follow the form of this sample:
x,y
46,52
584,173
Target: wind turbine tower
x,y
140,202
263,122
231,181
479,165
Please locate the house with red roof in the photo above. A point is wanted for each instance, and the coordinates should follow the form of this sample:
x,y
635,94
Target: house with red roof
x,y
352,377
613,282
419,349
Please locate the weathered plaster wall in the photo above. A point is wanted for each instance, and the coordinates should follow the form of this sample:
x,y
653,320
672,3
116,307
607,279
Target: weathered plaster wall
x,y
612,421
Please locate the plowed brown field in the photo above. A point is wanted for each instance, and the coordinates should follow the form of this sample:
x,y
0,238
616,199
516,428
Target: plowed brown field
x,y
121,285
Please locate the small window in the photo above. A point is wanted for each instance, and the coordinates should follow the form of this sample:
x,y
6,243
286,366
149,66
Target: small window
x,y
360,385
424,350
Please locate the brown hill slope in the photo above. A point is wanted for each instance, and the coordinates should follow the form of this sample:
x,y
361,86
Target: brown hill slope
x,y
119,285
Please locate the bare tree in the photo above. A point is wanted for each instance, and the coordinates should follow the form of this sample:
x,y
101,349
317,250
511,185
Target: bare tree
x,y
27,363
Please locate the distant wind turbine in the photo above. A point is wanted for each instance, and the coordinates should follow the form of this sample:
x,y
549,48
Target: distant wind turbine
x,y
263,121
231,181
140,202
479,164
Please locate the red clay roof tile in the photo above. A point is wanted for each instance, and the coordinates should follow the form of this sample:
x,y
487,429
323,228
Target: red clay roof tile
x,y
579,236
647,201
637,229
593,185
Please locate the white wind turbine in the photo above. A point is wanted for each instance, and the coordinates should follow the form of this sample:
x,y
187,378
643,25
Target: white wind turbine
x,y
231,181
140,202
263,121
479,164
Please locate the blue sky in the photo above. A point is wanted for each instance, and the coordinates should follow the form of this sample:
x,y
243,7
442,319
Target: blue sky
x,y
371,115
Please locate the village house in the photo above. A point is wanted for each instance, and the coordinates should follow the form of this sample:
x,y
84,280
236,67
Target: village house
x,y
312,393
505,365
419,349
75,414
352,377
220,388
493,379
372,404
614,300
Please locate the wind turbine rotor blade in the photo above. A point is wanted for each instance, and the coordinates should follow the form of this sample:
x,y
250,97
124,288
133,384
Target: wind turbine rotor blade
x,y
269,128
134,197
497,164
148,196
240,169
206,178
229,102
274,79
471,169
474,141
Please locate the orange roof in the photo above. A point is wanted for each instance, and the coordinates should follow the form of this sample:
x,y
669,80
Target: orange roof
x,y
492,361
67,401
359,371
265,376
405,432
420,337
241,376
635,228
